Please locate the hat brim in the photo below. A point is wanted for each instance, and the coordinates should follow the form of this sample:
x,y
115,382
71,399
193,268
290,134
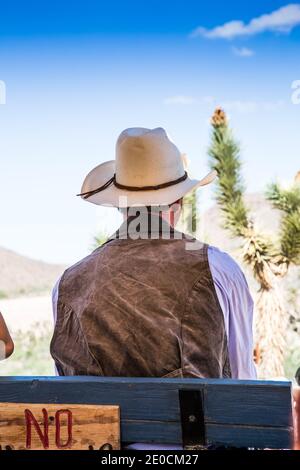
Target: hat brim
x,y
113,196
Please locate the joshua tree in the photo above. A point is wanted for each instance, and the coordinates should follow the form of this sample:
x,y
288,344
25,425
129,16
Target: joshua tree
x,y
268,259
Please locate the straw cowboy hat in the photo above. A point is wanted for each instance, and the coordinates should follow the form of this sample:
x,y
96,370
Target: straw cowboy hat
x,y
148,171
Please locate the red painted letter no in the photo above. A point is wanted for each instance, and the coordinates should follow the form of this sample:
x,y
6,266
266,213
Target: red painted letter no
x,y
58,442
44,437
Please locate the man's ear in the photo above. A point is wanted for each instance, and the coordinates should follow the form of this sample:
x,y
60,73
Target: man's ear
x,y
177,206
175,210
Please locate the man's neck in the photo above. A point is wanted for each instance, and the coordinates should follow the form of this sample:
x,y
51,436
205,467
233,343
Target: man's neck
x,y
168,217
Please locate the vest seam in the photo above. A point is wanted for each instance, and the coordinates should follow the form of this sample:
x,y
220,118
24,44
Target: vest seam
x,y
87,344
59,301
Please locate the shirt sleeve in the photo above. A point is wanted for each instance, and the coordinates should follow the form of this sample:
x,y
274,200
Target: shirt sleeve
x,y
237,306
55,293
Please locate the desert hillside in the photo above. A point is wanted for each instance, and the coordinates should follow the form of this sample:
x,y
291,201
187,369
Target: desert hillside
x,y
20,275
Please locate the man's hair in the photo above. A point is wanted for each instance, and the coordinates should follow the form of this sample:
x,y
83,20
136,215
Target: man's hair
x,y
148,209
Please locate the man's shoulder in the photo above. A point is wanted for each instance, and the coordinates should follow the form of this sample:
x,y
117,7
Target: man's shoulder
x,y
81,266
224,265
76,276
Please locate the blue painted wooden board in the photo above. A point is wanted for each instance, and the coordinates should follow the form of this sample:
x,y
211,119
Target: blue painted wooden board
x,y
239,413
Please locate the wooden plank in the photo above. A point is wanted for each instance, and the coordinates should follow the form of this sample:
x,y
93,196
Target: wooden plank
x,y
236,402
250,436
248,405
142,380
58,427
217,435
150,407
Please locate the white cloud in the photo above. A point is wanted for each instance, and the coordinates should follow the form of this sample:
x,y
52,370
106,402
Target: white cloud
x,y
246,107
240,106
272,105
243,51
282,20
180,99
236,106
206,100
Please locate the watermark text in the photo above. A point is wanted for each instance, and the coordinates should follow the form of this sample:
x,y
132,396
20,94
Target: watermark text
x,y
296,93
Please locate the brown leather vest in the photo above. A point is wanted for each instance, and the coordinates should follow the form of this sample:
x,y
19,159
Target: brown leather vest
x,y
141,308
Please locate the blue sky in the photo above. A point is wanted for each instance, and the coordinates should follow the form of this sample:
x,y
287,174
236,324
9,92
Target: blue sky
x,y
78,73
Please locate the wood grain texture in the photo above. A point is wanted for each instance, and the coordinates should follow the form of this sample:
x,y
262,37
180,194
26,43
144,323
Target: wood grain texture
x,y
250,413
55,427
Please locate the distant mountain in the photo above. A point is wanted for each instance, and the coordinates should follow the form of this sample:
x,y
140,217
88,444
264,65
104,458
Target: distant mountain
x,y
20,275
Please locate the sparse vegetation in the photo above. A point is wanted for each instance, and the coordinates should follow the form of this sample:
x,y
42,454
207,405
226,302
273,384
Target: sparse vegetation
x,y
32,355
3,295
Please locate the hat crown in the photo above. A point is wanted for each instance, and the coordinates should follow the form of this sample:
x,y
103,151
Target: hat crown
x,y
147,157
148,170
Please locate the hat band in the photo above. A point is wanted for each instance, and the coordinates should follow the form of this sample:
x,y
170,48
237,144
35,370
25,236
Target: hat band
x,y
131,188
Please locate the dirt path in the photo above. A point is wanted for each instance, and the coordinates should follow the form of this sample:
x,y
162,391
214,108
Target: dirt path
x,y
22,313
